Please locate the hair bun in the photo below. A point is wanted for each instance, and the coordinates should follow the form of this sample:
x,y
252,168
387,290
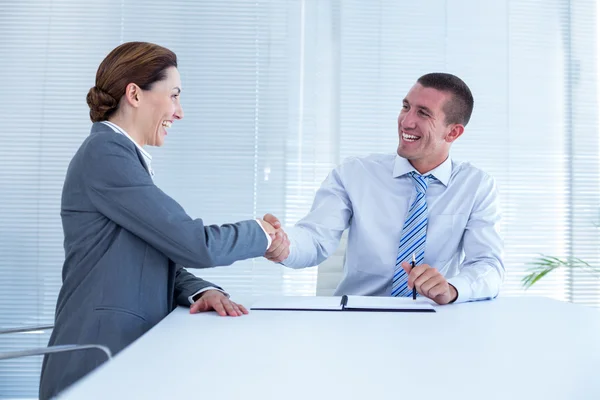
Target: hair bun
x,y
101,104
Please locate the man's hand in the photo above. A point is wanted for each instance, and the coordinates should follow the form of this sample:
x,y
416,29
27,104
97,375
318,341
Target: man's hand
x,y
216,300
430,283
280,247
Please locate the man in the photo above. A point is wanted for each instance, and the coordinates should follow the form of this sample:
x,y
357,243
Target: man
x,y
418,201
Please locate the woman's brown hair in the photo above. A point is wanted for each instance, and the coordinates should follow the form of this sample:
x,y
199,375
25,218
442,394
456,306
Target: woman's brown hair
x,y
133,62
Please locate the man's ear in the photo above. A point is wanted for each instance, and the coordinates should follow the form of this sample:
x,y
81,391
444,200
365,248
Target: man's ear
x,y
133,94
456,130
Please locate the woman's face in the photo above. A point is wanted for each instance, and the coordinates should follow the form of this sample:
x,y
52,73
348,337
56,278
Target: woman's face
x,y
160,107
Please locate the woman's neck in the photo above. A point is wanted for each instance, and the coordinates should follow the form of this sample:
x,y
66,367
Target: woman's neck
x,y
129,127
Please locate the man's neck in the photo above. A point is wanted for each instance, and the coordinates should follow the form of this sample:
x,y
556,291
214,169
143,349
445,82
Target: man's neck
x,y
424,166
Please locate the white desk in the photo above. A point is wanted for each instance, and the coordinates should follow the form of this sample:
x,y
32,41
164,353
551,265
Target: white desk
x,y
508,348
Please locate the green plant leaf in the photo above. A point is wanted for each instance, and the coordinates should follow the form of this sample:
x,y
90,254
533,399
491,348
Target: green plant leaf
x,y
545,264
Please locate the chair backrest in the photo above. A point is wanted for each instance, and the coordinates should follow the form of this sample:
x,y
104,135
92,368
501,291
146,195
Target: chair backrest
x,y
7,355
27,328
331,271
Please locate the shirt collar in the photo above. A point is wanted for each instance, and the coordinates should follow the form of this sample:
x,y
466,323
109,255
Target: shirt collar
x,y
442,172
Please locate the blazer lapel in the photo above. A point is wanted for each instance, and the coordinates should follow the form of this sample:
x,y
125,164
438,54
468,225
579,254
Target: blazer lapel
x,y
141,158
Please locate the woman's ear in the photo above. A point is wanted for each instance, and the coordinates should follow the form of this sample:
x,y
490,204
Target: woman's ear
x,y
133,94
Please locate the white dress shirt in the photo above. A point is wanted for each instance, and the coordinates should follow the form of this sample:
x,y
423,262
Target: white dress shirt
x,y
148,160
372,196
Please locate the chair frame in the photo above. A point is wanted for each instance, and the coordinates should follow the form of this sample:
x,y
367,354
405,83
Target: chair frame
x,y
46,350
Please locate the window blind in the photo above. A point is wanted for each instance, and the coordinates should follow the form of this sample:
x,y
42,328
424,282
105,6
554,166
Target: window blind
x,y
275,94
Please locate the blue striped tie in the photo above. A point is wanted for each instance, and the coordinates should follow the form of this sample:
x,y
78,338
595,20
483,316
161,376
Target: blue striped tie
x,y
413,237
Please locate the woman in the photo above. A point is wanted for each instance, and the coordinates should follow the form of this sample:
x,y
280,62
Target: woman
x,y
125,240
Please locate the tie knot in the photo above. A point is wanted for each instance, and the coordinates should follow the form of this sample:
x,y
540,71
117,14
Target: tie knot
x,y
421,182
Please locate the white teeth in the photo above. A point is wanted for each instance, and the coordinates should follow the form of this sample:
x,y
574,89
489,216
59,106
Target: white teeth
x,y
167,124
409,138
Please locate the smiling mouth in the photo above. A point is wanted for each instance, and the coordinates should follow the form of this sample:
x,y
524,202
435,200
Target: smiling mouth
x,y
409,138
167,124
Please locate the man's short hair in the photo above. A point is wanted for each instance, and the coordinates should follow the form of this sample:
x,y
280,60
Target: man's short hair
x,y
458,109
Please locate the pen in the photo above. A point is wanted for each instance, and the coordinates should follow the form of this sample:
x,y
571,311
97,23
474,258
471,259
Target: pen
x,y
414,287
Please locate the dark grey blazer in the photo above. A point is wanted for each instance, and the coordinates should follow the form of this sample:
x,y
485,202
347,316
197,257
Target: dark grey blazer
x,y
125,242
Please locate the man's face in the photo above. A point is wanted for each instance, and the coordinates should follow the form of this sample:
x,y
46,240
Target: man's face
x,y
424,136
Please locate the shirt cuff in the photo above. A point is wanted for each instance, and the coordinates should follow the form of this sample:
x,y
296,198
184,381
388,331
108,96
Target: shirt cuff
x,y
463,288
269,240
191,298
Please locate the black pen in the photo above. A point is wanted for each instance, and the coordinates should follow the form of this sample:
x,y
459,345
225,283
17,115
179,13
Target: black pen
x,y
412,267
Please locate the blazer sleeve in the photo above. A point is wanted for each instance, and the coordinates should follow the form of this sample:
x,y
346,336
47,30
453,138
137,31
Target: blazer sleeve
x,y
187,284
122,190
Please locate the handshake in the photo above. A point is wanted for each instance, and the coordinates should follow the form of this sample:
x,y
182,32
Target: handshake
x,y
280,245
